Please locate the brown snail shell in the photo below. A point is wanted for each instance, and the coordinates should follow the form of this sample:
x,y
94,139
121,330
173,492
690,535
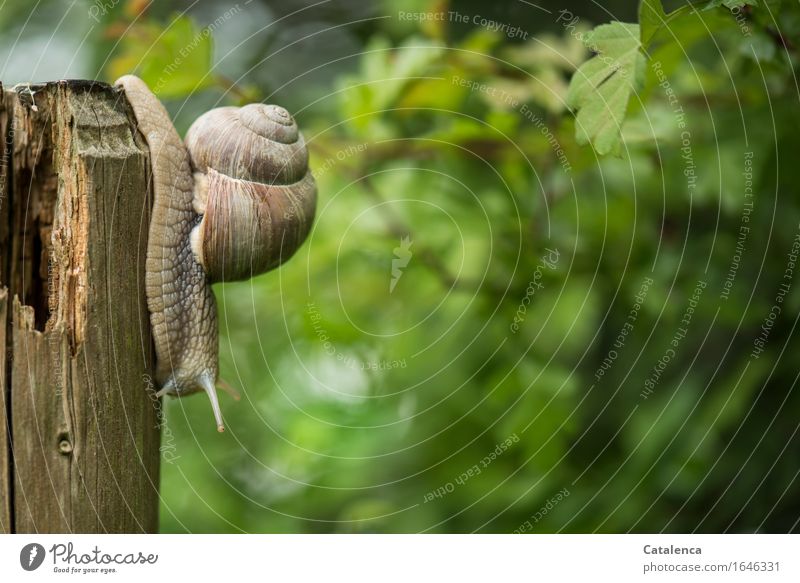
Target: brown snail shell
x,y
253,188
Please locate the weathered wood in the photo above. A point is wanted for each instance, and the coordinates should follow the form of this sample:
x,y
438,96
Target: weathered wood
x,y
6,477
5,433
84,431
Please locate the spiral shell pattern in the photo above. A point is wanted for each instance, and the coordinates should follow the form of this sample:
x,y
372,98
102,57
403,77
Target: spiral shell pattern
x,y
259,195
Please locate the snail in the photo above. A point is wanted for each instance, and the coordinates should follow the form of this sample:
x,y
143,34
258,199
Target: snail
x,y
236,200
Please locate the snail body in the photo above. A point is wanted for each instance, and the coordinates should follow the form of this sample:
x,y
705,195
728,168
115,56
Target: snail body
x,y
236,200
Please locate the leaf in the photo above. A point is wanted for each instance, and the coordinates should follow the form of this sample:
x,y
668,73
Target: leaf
x,y
651,18
670,44
601,88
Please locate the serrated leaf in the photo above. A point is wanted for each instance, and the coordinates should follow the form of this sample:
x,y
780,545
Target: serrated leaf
x,y
601,88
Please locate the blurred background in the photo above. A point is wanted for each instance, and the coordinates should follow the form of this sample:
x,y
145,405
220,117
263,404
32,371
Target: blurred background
x,y
493,326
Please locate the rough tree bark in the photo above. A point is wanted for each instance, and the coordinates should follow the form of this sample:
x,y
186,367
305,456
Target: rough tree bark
x,y
80,446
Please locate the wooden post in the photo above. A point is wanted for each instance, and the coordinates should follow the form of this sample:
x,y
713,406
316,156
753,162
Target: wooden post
x,y
80,447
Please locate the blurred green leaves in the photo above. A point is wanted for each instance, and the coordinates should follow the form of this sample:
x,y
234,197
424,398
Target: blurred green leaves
x,y
453,142
386,73
731,4
176,60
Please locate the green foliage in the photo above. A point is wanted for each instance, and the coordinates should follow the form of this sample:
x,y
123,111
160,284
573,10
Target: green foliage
x,y
176,61
654,20
731,4
601,87
651,19
473,147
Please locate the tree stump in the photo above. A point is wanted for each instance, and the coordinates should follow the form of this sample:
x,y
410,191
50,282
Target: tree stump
x,y
79,449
